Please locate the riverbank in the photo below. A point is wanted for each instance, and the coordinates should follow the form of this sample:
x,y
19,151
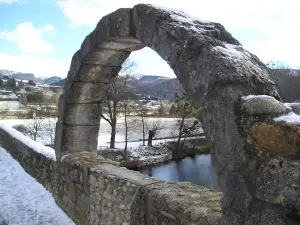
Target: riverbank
x,y
189,147
140,157
144,156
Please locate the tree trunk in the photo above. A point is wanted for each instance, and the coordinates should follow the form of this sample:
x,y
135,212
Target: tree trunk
x,y
113,134
150,137
126,127
143,123
34,135
180,130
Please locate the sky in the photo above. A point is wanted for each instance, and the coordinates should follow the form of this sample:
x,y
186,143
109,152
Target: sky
x,y
41,36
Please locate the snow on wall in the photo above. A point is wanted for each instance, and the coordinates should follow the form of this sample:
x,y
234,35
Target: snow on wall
x,y
290,118
235,54
240,57
36,146
186,21
248,97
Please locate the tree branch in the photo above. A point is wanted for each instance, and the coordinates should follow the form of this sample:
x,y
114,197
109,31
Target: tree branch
x,y
106,119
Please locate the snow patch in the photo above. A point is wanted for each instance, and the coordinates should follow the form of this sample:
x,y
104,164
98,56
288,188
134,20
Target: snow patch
x,y
186,21
36,146
248,97
290,118
235,51
237,54
289,105
23,199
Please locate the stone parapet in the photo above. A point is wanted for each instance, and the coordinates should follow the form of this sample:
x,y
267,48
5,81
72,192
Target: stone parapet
x,y
94,190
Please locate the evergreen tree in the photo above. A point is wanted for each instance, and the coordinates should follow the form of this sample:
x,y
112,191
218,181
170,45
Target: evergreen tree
x,y
11,82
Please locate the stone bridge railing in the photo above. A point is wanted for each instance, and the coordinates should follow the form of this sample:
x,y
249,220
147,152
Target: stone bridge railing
x,y
272,162
93,190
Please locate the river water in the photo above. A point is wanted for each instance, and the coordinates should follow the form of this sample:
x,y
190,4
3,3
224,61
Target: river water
x,y
198,170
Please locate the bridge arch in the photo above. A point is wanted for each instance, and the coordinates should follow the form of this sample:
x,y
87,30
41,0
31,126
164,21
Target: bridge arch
x,y
206,59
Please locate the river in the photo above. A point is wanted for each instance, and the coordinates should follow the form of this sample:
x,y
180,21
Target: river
x,y
198,170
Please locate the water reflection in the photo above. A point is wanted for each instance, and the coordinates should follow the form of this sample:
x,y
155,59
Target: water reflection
x,y
198,170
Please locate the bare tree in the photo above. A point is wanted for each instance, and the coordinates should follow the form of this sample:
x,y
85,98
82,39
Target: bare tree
x,y
35,124
49,129
38,121
161,109
185,110
116,94
129,95
142,111
277,69
154,130
287,80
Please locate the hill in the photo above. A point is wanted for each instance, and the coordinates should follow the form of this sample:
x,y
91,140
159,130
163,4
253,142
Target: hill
x,y
29,76
51,80
17,75
152,86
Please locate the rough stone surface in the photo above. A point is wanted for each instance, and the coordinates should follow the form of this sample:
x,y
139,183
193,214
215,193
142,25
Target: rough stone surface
x,y
272,170
94,190
211,65
264,105
43,169
283,139
179,203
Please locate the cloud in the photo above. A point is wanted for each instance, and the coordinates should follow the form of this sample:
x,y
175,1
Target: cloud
x,y
28,38
275,22
49,28
40,66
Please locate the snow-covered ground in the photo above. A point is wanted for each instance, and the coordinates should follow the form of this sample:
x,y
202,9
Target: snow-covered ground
x,y
24,201
168,129
11,105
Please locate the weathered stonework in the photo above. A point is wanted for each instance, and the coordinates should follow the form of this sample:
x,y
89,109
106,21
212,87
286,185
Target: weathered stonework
x,y
272,171
43,169
94,190
209,63
279,138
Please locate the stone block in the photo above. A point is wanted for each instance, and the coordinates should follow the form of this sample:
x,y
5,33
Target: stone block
x,y
97,73
283,139
263,105
83,114
84,92
106,57
115,24
79,138
122,44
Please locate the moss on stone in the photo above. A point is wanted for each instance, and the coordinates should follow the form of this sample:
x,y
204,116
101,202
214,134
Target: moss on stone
x,y
263,105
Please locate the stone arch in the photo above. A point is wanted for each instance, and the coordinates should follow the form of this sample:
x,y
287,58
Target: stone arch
x,y
208,62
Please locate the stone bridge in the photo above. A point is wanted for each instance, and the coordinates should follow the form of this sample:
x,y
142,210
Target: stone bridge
x,y
254,137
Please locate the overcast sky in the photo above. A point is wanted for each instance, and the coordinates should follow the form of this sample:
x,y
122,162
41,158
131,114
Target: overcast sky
x,y
41,36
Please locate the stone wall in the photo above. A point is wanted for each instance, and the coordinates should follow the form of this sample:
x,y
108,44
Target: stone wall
x,y
272,163
93,190
39,166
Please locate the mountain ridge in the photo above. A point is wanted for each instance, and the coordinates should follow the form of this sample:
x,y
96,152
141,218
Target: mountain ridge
x,y
29,76
154,86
